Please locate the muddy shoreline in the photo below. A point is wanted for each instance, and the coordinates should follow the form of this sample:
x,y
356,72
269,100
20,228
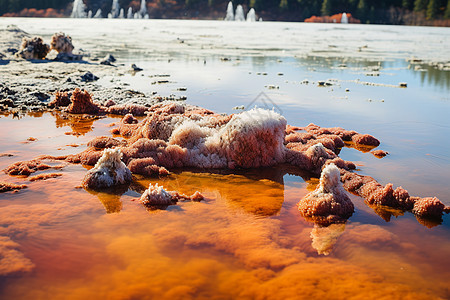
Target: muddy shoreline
x,y
31,84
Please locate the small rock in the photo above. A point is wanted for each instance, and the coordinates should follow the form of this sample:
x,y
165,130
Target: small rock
x,y
12,50
68,57
88,77
136,68
108,60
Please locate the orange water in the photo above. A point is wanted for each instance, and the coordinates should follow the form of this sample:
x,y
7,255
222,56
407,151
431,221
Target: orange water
x,y
246,240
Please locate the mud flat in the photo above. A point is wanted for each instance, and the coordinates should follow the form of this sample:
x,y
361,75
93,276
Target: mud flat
x,y
32,84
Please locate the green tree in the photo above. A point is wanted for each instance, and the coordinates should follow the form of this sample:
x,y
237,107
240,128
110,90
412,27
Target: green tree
x,y
408,4
361,10
326,8
447,11
283,4
432,9
420,5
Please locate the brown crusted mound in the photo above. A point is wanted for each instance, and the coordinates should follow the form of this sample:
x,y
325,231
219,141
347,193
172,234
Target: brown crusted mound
x,y
147,167
62,99
103,142
379,153
376,194
165,155
109,103
6,186
298,137
309,158
331,138
345,135
90,156
127,126
129,119
316,130
27,167
365,140
33,48
428,207
82,103
44,176
123,109
337,140
61,43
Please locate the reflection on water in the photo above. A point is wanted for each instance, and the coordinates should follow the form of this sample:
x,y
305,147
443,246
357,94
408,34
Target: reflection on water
x,y
110,199
256,192
386,212
324,238
221,246
80,125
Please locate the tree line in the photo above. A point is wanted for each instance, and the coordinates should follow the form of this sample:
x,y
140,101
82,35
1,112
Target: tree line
x,y
368,11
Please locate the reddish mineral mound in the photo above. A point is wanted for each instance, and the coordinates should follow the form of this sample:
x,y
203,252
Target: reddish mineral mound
x,y
328,203
7,186
428,207
103,142
157,197
28,167
379,153
62,99
82,103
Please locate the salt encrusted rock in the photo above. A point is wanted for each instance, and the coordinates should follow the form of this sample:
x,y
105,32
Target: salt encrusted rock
x,y
428,207
88,77
7,186
379,153
146,166
33,48
328,203
109,171
175,135
157,197
365,140
108,60
61,43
